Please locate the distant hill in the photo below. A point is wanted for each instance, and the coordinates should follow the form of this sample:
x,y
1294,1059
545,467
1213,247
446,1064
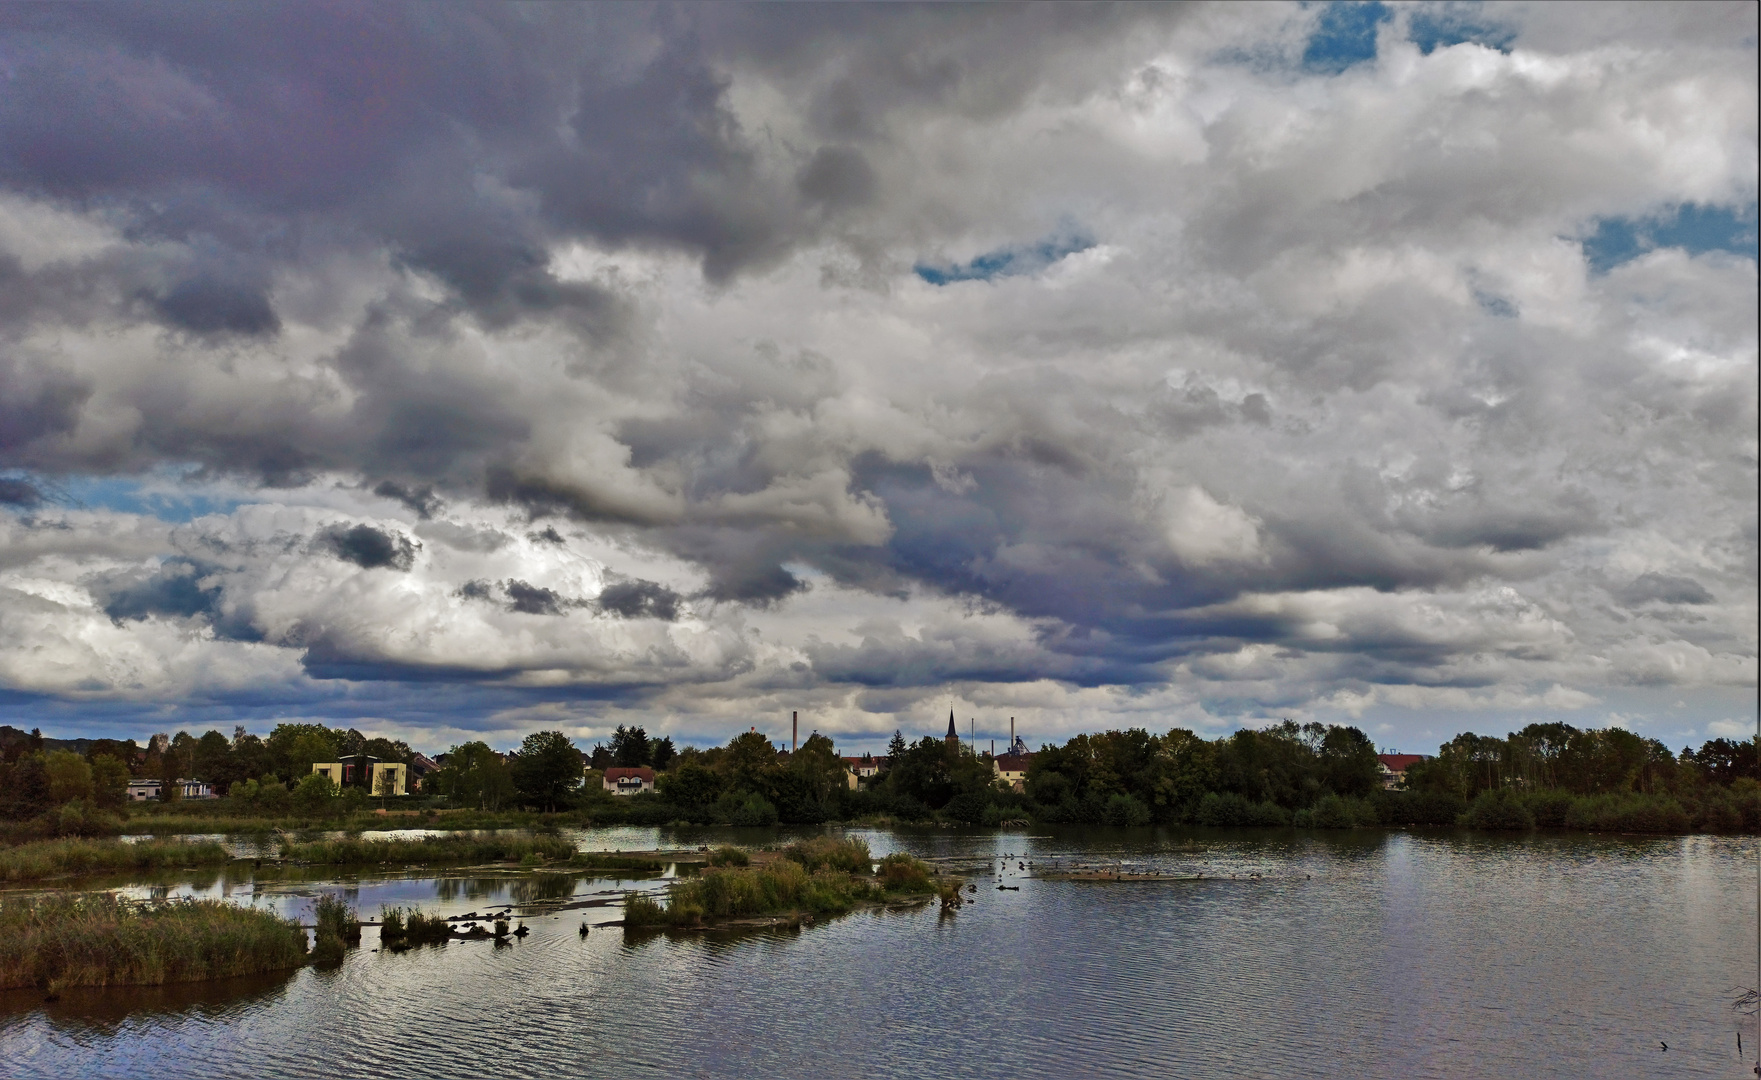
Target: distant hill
x,y
11,736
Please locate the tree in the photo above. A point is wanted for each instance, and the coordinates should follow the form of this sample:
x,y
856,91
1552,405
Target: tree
x,y
474,775
548,768
751,760
294,747
70,776
109,781
314,794
630,748
661,752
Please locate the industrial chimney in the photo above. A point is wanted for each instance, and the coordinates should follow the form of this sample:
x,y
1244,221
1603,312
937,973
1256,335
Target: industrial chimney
x,y
794,730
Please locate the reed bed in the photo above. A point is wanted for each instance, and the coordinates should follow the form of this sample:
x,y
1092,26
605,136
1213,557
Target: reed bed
x,y
428,849
398,929
782,887
99,940
824,853
51,858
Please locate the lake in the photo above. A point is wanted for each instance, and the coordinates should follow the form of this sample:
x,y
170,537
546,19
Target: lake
x,y
1360,954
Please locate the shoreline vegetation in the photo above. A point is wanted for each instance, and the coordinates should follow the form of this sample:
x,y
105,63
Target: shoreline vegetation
x,y
1288,775
815,878
96,939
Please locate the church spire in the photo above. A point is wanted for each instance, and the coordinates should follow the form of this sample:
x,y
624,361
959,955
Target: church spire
x,y
953,736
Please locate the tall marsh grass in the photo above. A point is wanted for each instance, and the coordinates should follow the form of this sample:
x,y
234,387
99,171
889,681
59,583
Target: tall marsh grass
x,y
428,849
51,858
824,853
100,940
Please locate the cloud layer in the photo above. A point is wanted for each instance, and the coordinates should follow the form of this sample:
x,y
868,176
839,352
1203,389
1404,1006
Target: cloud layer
x,y
468,367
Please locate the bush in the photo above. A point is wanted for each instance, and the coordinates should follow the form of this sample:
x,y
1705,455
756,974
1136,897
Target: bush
x,y
1628,813
597,861
1498,809
729,856
902,873
1336,812
1126,810
1395,808
1549,808
97,939
315,795
823,853
640,909
1227,808
755,811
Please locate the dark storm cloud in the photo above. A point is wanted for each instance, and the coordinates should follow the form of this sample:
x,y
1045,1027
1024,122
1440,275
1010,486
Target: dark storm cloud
x,y
19,493
639,600
208,306
371,548
1664,589
176,589
422,499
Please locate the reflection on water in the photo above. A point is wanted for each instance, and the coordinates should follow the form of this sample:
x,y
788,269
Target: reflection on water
x,y
1364,954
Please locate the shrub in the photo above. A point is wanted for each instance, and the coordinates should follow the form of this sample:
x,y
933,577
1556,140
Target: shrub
x,y
1628,813
824,853
640,909
729,855
1418,807
597,861
902,873
1126,810
1498,809
756,810
1549,808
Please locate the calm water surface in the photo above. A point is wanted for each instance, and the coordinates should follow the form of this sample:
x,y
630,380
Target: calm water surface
x,y
1368,954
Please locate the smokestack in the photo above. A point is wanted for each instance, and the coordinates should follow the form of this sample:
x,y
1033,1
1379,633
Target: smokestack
x,y
993,748
1011,734
794,730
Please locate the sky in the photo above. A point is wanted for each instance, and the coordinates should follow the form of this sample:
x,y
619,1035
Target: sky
x,y
453,371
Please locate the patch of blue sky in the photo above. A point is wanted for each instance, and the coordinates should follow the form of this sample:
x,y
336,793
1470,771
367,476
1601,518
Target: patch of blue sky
x,y
1007,262
1345,36
167,494
1438,26
1694,228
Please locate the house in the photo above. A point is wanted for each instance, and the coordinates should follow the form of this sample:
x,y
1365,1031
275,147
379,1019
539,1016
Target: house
x,y
1393,768
621,781
1011,768
148,790
366,771
857,770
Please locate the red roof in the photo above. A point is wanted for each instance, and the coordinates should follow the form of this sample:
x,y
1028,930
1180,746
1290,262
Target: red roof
x,y
645,773
1013,762
1399,762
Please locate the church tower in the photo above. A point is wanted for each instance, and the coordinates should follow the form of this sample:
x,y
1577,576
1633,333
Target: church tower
x,y
953,736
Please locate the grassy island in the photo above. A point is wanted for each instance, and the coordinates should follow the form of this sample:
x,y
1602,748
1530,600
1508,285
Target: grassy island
x,y
456,848
815,877
53,858
99,940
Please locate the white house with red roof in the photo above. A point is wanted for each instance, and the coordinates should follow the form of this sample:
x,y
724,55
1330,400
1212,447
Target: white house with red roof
x,y
1394,766
624,781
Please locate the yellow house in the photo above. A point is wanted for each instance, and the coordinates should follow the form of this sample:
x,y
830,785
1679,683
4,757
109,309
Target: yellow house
x,y
389,778
366,772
